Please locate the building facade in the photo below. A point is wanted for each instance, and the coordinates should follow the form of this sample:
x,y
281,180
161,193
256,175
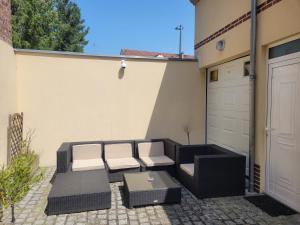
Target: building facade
x,y
77,97
222,46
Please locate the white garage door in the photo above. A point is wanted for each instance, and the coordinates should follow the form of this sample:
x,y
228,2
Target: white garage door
x,y
228,106
283,164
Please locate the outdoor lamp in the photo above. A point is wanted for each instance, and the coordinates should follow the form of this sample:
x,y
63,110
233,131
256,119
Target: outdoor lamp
x,y
220,45
123,64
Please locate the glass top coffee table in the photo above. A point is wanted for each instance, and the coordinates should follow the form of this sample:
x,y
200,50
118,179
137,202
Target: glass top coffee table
x,y
150,188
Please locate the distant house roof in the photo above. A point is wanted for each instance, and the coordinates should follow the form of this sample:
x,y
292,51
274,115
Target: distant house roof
x,y
130,52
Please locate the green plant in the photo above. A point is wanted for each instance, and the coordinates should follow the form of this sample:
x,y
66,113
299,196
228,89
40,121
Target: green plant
x,y
18,177
26,142
48,25
187,131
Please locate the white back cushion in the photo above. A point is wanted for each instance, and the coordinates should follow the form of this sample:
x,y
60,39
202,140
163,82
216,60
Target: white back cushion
x,y
87,151
151,149
117,151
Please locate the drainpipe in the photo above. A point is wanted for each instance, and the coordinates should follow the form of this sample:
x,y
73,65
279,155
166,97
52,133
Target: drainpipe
x,y
252,78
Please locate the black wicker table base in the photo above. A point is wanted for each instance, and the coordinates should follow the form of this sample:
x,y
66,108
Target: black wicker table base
x,y
79,191
150,188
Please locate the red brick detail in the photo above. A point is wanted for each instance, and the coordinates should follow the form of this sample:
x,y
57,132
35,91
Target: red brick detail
x,y
257,178
262,7
5,21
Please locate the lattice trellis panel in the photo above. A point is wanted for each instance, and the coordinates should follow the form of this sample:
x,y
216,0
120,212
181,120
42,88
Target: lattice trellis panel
x,y
15,135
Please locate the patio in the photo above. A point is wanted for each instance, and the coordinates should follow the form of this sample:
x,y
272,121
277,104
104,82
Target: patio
x,y
229,210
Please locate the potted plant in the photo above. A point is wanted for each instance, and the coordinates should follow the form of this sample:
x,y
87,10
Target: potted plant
x,y
17,178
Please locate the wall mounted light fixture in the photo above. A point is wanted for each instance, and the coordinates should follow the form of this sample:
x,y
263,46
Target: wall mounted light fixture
x,y
220,45
123,64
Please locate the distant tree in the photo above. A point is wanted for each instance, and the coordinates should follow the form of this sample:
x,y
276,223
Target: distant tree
x,y
34,24
48,25
72,30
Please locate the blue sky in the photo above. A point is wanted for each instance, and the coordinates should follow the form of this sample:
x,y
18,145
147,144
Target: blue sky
x,y
137,24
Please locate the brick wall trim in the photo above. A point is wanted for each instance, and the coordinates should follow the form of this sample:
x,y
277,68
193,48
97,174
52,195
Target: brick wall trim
x,y
257,178
5,21
243,18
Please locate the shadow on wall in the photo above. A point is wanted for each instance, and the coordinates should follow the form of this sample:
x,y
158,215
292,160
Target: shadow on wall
x,y
121,73
84,99
179,107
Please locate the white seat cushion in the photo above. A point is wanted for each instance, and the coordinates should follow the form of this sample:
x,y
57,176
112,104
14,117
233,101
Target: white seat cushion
x,y
188,168
151,149
87,157
87,151
87,164
157,161
122,163
117,151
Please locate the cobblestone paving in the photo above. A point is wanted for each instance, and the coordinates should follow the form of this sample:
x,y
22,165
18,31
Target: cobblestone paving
x,y
218,211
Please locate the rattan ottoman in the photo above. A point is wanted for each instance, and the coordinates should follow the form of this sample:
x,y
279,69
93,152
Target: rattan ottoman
x,y
150,188
78,192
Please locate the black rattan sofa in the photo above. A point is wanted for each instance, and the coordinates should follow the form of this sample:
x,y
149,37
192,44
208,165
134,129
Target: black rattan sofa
x,y
84,190
216,172
169,151
210,170
116,175
65,158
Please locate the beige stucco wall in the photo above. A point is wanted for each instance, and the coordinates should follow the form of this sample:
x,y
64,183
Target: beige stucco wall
x,y
275,24
212,15
77,98
8,102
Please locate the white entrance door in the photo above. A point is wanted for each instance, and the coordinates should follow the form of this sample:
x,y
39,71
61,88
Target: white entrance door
x,y
228,106
283,161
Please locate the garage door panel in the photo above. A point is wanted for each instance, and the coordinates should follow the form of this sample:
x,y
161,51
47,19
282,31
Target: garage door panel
x,y
229,125
230,113
228,108
227,137
229,98
214,135
212,121
243,98
214,100
245,129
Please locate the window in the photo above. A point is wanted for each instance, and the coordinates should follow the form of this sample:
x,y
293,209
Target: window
x,y
285,49
213,76
247,68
